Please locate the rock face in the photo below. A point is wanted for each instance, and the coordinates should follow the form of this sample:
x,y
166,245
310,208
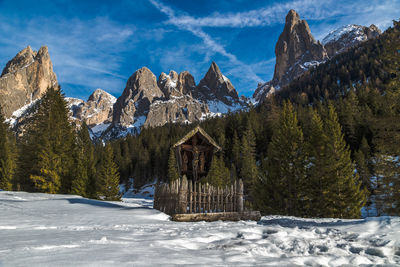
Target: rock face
x,y
173,98
176,85
216,87
25,78
98,109
182,109
297,50
348,36
140,91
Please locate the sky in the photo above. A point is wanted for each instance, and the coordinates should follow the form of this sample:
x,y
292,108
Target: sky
x,y
100,44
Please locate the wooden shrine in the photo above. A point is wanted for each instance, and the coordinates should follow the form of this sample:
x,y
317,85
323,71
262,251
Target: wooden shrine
x,y
194,153
189,198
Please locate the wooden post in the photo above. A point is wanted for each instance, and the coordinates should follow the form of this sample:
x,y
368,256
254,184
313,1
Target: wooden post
x,y
194,198
231,198
200,203
190,196
208,198
182,196
240,196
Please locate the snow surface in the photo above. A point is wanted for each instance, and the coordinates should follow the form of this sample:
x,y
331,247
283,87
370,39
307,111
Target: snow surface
x,y
19,113
65,230
335,35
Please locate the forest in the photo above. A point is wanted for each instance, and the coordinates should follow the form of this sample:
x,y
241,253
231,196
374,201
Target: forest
x,y
324,146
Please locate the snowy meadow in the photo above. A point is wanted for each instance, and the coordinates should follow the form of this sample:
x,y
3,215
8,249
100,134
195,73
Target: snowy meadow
x,y
64,230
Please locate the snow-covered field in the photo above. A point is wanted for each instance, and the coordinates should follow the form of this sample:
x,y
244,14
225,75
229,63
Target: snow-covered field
x,y
65,230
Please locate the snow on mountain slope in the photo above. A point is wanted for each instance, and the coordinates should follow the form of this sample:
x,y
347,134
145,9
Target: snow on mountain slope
x,y
65,230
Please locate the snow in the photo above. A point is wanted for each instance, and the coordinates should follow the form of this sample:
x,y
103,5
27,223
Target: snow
x,y
219,107
66,230
100,128
19,113
335,35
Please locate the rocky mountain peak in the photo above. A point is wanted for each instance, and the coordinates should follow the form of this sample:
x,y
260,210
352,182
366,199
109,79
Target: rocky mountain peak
x,y
168,83
100,95
215,86
23,58
292,18
25,78
97,110
140,91
347,36
295,48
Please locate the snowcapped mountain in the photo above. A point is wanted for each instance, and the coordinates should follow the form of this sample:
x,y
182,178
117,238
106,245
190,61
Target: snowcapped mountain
x,y
175,98
297,51
145,101
341,39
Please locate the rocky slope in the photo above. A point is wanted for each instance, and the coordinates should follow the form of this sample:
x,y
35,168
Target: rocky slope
x,y
297,50
173,98
96,112
347,36
24,79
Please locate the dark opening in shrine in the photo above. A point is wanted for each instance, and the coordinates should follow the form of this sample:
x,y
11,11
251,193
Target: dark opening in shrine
x,y
194,154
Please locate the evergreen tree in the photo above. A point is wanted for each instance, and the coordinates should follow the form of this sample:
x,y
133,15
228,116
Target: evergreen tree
x,y
108,176
345,197
47,177
219,174
284,171
172,167
317,185
248,170
8,155
84,180
48,142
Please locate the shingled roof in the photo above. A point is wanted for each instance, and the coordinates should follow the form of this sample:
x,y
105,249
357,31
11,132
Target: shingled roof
x,y
196,130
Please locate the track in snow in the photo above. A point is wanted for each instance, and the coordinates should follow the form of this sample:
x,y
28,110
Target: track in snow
x,y
65,230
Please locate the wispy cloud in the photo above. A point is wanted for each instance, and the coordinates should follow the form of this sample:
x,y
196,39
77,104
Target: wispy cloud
x,y
209,42
275,13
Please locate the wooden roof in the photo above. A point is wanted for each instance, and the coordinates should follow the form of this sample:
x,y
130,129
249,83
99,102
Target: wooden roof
x,y
196,130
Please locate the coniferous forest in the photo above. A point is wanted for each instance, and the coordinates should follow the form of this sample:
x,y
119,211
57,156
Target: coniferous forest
x,y
323,146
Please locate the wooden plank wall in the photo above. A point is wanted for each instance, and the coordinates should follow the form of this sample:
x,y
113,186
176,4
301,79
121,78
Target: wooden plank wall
x,y
183,196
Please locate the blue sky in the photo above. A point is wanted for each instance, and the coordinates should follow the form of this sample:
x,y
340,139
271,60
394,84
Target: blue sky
x,y
99,44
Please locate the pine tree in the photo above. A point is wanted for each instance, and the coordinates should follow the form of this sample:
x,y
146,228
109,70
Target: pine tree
x,y
345,197
8,155
172,168
219,174
84,180
316,185
285,169
48,145
248,170
108,176
47,178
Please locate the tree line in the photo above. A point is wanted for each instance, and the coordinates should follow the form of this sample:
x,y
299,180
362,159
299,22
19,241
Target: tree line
x,y
54,156
324,146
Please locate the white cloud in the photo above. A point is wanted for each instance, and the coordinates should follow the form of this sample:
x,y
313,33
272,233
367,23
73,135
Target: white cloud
x,y
235,65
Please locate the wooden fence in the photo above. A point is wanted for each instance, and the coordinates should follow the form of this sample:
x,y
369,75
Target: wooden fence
x,y
183,196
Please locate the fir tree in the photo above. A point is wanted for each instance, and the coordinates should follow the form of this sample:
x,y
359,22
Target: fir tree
x,y
285,170
8,155
345,197
108,176
248,170
48,145
219,174
316,184
172,168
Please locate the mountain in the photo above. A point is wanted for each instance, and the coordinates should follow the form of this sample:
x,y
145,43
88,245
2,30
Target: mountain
x,y
173,98
297,51
96,112
24,79
341,39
